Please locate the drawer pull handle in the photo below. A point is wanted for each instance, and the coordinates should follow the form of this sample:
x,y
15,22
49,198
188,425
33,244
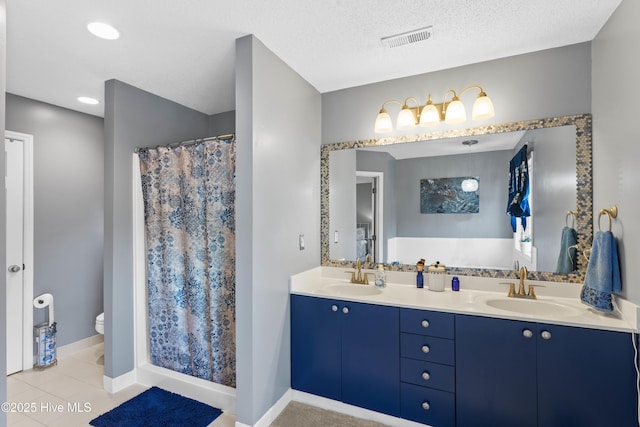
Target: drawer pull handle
x,y
426,376
546,335
425,349
425,323
334,307
426,406
345,310
527,333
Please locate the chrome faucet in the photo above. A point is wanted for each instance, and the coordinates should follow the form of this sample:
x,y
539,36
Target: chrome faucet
x,y
357,276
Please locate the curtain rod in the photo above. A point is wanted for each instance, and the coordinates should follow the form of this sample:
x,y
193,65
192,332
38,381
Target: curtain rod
x,y
188,142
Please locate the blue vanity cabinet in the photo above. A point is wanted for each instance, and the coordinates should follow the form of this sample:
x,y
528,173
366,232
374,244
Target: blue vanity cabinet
x,y
316,351
513,373
346,351
586,377
427,367
495,373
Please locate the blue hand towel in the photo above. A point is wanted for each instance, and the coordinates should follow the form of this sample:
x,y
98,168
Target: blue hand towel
x,y
567,257
603,273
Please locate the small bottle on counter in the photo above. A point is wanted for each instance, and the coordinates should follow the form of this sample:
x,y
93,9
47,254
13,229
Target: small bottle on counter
x,y
455,283
420,277
381,277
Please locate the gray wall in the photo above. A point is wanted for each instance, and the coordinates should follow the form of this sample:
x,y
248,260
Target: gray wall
x,y
371,161
342,202
68,211
615,68
491,222
133,118
548,83
3,224
222,123
277,198
553,188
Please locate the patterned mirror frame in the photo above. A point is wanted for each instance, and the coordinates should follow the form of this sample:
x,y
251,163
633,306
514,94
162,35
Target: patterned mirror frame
x,y
584,192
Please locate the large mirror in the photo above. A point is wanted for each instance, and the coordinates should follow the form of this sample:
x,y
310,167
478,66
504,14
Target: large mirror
x,y
396,200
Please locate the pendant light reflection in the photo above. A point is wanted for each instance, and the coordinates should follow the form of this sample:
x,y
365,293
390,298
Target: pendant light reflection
x,y
469,184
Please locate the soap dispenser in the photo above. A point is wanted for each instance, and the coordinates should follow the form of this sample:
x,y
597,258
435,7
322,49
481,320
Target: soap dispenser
x,y
381,277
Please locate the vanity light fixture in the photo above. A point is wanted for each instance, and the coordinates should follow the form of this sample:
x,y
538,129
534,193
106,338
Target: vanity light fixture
x,y
469,184
104,31
432,114
88,100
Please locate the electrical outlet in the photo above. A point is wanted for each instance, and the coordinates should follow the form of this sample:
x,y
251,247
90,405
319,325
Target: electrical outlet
x,y
301,241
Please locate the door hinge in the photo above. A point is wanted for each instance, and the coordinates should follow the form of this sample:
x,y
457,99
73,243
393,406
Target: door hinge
x,y
373,190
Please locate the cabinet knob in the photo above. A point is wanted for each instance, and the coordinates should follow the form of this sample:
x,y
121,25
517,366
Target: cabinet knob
x,y
426,376
425,323
334,307
425,349
345,310
546,335
527,333
426,406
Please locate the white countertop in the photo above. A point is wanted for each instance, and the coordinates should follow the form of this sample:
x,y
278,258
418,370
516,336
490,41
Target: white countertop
x,y
475,292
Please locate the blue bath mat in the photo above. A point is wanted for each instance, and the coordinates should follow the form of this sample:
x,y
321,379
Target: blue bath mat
x,y
158,408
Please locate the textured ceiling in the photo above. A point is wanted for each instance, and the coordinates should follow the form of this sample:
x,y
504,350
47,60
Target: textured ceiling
x,y
183,50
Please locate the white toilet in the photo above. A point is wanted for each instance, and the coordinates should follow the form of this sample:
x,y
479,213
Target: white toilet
x,y
100,323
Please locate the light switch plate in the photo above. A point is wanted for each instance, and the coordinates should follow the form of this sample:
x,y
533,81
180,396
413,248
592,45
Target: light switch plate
x,y
301,241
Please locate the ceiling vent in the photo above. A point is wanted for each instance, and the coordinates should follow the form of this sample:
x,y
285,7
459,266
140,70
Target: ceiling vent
x,y
420,35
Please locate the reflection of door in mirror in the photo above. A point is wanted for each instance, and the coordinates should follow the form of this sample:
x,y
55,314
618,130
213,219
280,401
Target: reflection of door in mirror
x,y
368,209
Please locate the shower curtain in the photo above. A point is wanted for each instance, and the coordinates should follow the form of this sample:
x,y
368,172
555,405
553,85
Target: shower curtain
x,y
189,197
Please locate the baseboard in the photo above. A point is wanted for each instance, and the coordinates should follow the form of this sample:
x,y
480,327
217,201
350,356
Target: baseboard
x,y
69,349
114,385
273,412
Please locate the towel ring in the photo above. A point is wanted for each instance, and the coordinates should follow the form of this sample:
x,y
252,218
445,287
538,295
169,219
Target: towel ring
x,y
611,213
573,219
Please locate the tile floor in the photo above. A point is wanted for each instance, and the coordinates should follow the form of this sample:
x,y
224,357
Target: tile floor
x,y
75,385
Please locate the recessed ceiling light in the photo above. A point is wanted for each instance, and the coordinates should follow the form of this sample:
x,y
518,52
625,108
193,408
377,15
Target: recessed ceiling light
x,y
102,30
87,100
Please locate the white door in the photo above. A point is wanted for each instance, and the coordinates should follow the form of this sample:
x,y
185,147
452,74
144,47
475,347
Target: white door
x,y
15,250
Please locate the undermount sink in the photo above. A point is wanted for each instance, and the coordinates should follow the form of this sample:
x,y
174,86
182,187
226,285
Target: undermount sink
x,y
532,307
350,289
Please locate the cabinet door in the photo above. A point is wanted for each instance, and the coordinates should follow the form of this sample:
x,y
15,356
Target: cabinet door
x,y
371,357
586,377
315,346
495,372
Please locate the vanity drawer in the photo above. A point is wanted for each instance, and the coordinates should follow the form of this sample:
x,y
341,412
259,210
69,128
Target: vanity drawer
x,y
427,374
431,349
427,405
430,323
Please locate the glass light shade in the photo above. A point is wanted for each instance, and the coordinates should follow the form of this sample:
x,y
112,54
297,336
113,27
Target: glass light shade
x,y
383,122
406,119
455,112
469,184
482,108
429,116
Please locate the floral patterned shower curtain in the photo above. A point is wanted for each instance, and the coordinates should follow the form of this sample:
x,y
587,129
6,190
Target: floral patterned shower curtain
x,y
189,196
